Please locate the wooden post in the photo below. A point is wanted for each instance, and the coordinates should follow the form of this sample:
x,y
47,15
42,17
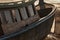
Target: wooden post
x,y
41,3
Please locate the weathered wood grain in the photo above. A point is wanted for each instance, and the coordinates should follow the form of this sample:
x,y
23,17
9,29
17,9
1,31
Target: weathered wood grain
x,y
16,15
8,16
14,27
30,10
23,13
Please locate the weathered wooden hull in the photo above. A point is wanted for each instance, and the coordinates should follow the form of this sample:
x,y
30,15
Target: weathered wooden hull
x,y
37,30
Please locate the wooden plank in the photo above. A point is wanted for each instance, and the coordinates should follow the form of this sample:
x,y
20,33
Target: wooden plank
x,y
34,8
13,27
32,19
8,16
16,14
35,11
23,13
1,31
2,16
30,10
